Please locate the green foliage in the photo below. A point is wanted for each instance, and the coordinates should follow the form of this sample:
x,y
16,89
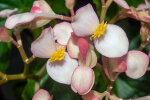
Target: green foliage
x,y
58,90
29,90
4,56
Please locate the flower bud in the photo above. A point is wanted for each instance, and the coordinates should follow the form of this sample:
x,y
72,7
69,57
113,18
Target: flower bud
x,y
41,6
70,4
4,36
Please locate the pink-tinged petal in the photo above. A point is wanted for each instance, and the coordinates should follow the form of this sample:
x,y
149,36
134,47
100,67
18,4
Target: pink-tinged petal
x,y
92,95
147,3
137,64
141,5
73,89
4,36
41,6
72,48
91,59
114,42
7,12
31,20
83,48
83,79
42,95
62,32
143,98
70,3
94,59
122,3
117,64
18,19
85,21
88,59
44,46
61,71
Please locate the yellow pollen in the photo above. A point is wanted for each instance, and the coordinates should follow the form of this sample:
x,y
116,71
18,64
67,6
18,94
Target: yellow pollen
x,y
100,30
58,55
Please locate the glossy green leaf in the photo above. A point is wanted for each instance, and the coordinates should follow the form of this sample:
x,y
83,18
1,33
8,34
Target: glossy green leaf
x,y
29,90
58,90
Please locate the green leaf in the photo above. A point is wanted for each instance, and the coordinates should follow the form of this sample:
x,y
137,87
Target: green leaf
x,y
5,49
58,6
29,90
134,3
58,90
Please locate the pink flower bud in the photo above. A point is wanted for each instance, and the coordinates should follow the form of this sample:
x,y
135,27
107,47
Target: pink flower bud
x,y
41,6
70,4
4,36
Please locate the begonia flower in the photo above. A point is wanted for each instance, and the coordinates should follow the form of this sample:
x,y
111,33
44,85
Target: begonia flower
x,y
134,64
60,66
40,14
42,95
7,12
109,40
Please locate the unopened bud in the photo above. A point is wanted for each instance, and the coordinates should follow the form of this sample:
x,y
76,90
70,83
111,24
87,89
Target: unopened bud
x,y
70,4
41,6
4,36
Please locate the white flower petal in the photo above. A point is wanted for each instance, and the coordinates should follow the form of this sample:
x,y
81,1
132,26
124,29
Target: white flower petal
x,y
7,12
83,79
61,71
62,32
44,46
85,21
137,64
114,42
72,48
19,19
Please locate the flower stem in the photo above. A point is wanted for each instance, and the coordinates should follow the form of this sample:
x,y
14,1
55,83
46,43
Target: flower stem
x,y
104,9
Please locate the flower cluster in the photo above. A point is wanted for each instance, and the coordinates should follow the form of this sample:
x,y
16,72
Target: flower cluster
x,y
70,46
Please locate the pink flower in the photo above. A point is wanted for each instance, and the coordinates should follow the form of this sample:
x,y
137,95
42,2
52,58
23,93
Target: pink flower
x,y
40,14
134,64
109,40
42,95
60,66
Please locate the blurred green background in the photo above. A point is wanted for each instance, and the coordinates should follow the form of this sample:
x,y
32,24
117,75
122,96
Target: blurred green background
x,y
11,63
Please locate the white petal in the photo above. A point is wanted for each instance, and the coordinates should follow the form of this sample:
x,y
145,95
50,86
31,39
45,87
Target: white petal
x,y
61,71
114,42
137,63
122,4
85,21
42,95
7,12
18,19
62,32
83,79
72,48
44,46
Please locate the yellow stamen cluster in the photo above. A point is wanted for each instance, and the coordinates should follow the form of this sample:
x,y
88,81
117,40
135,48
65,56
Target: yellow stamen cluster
x,y
58,55
100,30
